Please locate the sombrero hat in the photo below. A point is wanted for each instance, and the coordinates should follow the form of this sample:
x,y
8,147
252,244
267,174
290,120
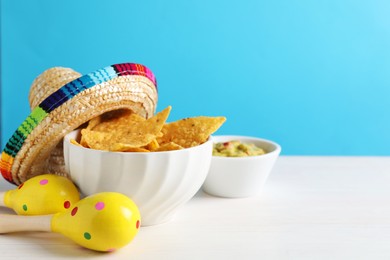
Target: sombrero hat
x,y
57,111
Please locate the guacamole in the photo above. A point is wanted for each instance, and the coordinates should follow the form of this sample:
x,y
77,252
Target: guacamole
x,y
236,149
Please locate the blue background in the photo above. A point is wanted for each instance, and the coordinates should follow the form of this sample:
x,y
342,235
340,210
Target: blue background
x,y
313,76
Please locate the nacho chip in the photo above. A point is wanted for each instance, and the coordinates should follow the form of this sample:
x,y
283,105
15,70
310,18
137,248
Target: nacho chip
x,y
156,123
171,146
126,142
190,132
124,130
115,141
96,140
73,141
121,123
94,122
83,142
131,123
116,114
152,146
119,147
91,124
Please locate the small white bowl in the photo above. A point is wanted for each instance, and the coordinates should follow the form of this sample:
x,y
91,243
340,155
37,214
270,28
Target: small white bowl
x,y
238,177
158,182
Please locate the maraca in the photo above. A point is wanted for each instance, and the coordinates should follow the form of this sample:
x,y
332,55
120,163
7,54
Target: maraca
x,y
104,222
41,195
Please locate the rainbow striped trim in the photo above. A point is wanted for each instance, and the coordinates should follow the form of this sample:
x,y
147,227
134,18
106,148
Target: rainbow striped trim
x,y
57,99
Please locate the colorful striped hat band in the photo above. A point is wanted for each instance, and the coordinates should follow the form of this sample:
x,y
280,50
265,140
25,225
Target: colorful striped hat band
x,y
120,86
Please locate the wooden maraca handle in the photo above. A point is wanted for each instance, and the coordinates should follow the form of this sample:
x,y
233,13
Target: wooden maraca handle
x,y
17,223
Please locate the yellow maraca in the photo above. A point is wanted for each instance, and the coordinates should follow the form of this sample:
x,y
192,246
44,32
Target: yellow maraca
x,y
41,195
104,222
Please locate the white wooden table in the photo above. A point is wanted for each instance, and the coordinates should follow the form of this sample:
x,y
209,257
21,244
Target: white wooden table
x,y
310,208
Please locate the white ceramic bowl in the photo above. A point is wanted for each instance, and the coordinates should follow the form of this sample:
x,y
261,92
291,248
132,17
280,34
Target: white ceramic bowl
x,y
237,177
158,182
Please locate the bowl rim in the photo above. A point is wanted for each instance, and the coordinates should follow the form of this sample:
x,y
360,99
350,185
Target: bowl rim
x,y
273,153
67,139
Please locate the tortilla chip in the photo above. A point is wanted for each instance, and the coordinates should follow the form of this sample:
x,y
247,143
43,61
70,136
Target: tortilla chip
x,y
155,124
94,122
122,123
171,146
190,132
96,140
124,130
131,123
152,146
119,147
115,141
73,141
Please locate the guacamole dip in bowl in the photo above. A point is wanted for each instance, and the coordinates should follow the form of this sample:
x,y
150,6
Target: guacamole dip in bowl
x,y
236,148
240,165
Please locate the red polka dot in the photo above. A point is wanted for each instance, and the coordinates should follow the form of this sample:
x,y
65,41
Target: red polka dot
x,y
74,211
67,204
137,224
20,186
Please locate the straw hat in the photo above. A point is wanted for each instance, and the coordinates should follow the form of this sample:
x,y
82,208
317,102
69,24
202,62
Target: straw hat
x,y
59,107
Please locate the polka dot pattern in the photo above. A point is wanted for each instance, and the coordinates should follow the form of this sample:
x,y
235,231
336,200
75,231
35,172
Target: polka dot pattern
x,y
44,194
99,205
87,236
74,211
44,181
67,204
100,222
